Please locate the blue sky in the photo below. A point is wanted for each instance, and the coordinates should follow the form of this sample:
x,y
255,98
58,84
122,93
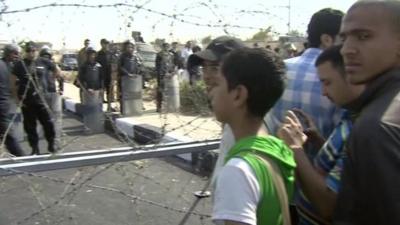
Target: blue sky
x,y
70,25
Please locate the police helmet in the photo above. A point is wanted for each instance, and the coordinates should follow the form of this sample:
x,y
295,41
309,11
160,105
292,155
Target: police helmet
x,y
45,51
90,50
9,49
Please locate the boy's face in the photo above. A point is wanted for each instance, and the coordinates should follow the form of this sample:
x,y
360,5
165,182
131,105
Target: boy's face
x,y
336,87
371,45
210,71
221,98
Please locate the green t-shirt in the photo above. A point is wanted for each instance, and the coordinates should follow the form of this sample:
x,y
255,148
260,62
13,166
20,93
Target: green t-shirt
x,y
268,209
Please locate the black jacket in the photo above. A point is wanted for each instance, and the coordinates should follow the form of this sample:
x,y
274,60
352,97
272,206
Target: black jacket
x,y
370,191
91,76
129,64
36,71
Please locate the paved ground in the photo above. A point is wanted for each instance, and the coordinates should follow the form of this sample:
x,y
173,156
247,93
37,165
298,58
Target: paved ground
x,y
141,192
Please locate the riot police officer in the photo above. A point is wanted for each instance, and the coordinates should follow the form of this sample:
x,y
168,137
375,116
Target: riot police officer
x,y
104,57
91,81
129,65
90,74
30,73
48,81
10,55
165,66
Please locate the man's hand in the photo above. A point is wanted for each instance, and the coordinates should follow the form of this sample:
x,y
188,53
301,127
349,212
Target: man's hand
x,y
310,129
90,91
291,131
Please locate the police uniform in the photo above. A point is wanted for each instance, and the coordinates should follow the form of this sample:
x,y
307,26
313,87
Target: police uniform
x,y
10,140
128,64
164,66
91,76
104,57
31,89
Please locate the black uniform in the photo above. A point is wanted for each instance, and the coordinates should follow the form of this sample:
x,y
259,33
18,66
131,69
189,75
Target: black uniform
x,y
31,75
177,58
128,64
164,65
91,76
104,57
10,142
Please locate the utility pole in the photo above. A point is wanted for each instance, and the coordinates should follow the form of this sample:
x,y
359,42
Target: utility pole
x,y
289,16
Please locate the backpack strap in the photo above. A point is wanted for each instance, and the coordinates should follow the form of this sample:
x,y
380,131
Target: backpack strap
x,y
279,185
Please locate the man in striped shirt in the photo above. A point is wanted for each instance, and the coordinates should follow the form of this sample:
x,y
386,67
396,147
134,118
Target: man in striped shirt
x,y
320,180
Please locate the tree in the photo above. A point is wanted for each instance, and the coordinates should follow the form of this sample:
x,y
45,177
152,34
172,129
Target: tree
x,y
262,35
295,33
206,40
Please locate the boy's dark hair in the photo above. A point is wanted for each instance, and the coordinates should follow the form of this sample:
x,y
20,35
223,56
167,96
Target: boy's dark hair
x,y
261,72
332,55
325,21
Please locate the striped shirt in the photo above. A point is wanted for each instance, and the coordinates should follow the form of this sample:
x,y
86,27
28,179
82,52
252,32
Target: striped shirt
x,y
303,91
329,161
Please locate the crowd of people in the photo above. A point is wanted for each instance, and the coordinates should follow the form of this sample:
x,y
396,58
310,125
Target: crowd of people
x,y
314,139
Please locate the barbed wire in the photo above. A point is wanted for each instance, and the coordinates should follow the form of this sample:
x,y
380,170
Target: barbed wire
x,y
138,7
72,187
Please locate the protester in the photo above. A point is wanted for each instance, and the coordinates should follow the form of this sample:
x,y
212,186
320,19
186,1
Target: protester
x,y
370,192
249,83
319,180
186,52
10,55
210,61
303,89
177,58
195,71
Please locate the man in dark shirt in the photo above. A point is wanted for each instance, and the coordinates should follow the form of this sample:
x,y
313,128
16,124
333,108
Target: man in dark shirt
x,y
30,72
370,192
177,55
104,58
10,55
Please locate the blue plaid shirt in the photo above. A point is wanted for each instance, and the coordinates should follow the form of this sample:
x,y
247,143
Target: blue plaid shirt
x,y
303,91
329,161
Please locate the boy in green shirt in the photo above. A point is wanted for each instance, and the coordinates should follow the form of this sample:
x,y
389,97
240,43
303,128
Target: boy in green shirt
x,y
247,85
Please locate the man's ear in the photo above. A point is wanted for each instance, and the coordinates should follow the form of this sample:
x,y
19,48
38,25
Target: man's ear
x,y
241,94
326,41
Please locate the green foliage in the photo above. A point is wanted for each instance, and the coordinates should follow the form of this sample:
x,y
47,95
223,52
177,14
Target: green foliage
x,y
194,100
262,35
206,40
295,33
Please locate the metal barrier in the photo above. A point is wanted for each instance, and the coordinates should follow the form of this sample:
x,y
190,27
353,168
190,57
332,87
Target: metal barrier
x,y
132,103
54,101
30,164
172,93
93,117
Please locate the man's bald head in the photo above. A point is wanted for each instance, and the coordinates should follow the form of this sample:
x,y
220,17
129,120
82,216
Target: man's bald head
x,y
389,9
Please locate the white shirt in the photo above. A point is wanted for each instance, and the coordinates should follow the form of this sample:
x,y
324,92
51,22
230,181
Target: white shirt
x,y
185,53
237,193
